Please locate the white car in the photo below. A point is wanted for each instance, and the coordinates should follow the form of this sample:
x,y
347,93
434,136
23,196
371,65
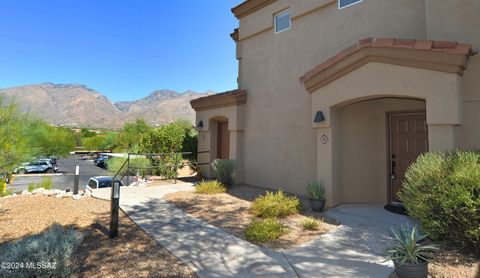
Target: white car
x,y
100,182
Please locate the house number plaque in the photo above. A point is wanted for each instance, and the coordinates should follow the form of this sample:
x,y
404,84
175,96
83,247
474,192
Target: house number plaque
x,y
324,139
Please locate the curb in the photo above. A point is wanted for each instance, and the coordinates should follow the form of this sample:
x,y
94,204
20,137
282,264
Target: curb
x,y
37,175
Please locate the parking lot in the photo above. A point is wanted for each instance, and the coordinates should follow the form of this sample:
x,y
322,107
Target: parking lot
x,y
63,179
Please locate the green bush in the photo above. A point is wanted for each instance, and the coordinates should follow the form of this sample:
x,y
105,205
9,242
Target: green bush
x,y
310,223
54,246
275,205
316,190
210,187
264,231
31,187
442,191
223,170
46,183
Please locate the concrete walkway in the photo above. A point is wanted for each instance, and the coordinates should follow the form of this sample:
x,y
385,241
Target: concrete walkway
x,y
354,249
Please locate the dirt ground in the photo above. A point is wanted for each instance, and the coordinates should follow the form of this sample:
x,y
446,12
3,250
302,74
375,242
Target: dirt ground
x,y
231,212
132,254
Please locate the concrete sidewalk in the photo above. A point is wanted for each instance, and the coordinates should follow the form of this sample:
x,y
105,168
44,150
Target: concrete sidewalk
x,y
354,249
209,251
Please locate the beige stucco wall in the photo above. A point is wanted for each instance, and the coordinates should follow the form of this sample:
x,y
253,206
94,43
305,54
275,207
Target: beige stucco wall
x,y
280,145
459,21
362,151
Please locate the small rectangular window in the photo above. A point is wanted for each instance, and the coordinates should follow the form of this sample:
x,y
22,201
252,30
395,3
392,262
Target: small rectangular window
x,y
282,21
347,3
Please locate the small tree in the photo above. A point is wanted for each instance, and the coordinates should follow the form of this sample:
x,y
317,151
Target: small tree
x,y
167,141
13,144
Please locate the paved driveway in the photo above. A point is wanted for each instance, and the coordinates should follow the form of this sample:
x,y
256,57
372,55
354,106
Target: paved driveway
x,y
65,176
354,249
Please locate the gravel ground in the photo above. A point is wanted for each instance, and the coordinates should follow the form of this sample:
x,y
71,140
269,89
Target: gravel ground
x,y
451,263
231,212
132,254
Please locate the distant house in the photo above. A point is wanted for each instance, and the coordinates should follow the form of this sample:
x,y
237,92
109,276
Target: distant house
x,y
348,92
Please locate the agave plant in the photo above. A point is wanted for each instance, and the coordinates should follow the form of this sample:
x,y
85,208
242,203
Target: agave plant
x,y
407,249
316,190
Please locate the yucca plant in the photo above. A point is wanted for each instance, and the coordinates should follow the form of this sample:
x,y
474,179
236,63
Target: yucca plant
x,y
316,195
316,190
407,248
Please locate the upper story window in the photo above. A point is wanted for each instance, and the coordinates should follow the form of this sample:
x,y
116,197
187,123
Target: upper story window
x,y
347,3
282,21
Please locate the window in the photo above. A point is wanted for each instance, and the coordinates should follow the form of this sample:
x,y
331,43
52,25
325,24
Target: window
x,y
282,21
347,3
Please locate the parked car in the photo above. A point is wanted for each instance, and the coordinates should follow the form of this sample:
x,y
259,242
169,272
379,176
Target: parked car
x,y
52,162
101,161
34,167
100,182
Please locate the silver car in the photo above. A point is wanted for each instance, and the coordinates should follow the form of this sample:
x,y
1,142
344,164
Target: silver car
x,y
34,167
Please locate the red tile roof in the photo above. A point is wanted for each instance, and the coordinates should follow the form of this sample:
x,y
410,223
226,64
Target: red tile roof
x,y
421,45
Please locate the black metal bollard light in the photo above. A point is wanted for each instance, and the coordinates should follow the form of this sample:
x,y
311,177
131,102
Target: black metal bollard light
x,y
115,204
76,180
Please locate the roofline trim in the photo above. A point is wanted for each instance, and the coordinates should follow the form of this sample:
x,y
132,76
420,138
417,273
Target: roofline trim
x,y
250,6
443,56
225,99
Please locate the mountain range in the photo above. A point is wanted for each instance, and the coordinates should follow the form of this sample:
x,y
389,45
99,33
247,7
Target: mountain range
x,y
79,106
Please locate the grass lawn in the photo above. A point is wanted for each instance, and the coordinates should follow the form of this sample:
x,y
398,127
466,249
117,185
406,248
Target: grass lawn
x,y
132,254
231,212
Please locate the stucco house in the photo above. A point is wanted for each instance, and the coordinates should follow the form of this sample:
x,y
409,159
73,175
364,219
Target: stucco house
x,y
348,92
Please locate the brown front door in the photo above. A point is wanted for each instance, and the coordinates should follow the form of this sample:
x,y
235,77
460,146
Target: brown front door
x,y
223,140
408,139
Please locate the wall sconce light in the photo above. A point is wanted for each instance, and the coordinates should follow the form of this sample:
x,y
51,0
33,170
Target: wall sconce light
x,y
200,124
319,117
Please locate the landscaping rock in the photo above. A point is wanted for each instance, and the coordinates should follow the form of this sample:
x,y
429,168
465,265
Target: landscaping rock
x,y
26,193
88,193
77,197
60,195
67,194
38,190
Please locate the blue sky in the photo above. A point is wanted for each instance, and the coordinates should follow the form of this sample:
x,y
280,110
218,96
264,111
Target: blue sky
x,y
124,49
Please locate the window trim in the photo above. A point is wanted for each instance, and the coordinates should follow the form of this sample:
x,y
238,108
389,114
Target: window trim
x,y
275,21
349,5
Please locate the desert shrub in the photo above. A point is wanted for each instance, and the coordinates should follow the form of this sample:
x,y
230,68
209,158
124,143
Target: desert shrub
x,y
210,187
46,183
310,223
316,190
3,186
442,191
264,230
275,205
31,187
53,246
223,170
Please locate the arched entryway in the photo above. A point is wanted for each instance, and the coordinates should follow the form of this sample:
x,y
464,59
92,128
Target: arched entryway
x,y
376,139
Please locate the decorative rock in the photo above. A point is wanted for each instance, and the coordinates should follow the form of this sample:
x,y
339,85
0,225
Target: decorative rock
x,y
88,193
67,194
26,193
77,197
38,190
60,195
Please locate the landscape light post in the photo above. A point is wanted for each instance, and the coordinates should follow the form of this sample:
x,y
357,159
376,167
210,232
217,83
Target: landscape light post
x,y
76,180
115,203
